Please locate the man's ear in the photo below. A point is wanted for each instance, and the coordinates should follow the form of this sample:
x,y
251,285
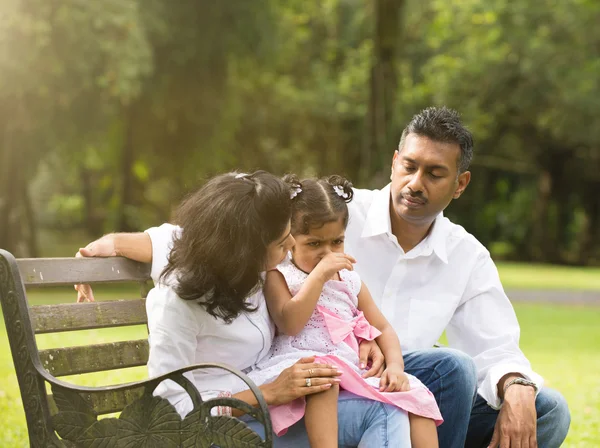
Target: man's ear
x,y
394,158
463,181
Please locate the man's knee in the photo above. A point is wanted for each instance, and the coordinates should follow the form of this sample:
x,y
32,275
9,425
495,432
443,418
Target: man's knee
x,y
459,368
554,417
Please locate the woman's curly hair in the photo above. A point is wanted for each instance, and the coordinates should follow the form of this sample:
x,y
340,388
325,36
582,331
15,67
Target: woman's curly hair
x,y
222,250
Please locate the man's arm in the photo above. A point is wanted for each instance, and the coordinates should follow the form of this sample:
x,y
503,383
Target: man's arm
x,y
485,327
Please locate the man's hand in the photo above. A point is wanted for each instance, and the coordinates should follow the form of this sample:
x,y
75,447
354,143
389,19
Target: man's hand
x,y
369,352
516,426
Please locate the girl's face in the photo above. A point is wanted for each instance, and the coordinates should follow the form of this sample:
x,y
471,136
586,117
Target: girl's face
x,y
278,249
311,248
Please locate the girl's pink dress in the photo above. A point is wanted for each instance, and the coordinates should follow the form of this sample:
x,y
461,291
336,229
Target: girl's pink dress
x,y
333,333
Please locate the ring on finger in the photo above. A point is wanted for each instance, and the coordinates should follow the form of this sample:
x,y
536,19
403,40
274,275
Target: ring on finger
x,y
308,382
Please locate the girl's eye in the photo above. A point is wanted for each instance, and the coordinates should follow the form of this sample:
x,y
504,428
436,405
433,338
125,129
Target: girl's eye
x,y
409,168
338,242
314,244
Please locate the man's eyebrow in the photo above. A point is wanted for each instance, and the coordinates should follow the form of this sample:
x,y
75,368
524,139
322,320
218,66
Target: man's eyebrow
x,y
431,167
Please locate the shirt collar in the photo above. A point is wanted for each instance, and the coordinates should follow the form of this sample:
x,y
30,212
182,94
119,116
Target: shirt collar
x,y
378,217
438,236
378,222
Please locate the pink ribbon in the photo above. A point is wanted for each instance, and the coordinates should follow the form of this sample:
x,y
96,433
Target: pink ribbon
x,y
348,331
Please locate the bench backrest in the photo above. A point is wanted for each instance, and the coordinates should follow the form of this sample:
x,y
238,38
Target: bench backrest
x,y
23,322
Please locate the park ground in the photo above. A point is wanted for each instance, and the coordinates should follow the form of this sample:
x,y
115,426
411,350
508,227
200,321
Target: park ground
x,y
558,309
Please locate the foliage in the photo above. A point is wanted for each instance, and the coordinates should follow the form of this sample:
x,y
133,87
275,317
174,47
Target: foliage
x,y
112,110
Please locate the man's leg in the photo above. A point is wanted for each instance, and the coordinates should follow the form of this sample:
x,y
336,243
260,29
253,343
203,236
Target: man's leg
x,y
452,378
553,421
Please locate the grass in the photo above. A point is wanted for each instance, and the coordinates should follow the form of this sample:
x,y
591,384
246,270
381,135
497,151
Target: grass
x,y
541,276
561,341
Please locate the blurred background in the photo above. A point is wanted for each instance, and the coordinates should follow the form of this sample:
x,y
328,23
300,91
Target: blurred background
x,y
111,110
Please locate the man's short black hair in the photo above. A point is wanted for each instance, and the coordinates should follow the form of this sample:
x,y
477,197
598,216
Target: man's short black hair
x,y
442,124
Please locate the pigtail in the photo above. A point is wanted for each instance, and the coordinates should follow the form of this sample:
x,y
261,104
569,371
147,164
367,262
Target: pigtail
x,y
294,183
342,186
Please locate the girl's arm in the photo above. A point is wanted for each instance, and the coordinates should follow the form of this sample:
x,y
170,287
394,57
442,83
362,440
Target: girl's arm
x,y
388,341
291,314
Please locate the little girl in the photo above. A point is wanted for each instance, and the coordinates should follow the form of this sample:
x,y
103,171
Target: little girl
x,y
321,308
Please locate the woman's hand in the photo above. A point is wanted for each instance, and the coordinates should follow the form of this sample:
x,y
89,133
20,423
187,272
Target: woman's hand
x,y
394,379
291,383
370,353
103,247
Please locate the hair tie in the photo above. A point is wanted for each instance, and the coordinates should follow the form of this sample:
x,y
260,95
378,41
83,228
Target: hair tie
x,y
241,175
295,191
340,191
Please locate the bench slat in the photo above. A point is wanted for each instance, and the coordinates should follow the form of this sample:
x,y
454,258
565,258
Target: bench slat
x,y
104,402
70,271
86,316
95,358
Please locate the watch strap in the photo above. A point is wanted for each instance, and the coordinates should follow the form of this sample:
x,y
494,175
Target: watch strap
x,y
522,382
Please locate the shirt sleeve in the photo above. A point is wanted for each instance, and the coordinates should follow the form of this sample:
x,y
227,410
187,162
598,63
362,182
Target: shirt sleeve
x,y
162,242
485,327
173,330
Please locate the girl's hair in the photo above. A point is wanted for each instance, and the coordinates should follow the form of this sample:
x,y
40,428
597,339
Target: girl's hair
x,y
227,225
318,201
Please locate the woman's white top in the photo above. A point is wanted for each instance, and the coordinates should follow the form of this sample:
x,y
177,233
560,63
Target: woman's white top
x,y
182,333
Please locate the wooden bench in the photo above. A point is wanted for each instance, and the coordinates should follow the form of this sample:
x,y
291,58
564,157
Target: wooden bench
x,y
68,417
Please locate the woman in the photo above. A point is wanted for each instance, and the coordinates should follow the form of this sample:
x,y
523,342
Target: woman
x,y
207,305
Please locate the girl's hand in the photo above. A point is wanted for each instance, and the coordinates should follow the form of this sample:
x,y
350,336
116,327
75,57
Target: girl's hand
x,y
291,383
394,379
370,353
332,263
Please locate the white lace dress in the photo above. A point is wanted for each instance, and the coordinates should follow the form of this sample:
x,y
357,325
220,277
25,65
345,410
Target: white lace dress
x,y
332,334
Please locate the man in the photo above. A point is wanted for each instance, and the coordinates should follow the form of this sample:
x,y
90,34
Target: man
x,y
429,275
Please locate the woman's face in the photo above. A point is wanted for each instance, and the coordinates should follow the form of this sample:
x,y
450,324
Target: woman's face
x,y
278,249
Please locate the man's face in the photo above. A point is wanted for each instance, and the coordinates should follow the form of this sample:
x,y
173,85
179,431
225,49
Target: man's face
x,y
425,179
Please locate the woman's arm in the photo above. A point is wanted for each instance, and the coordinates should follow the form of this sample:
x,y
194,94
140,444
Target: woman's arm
x,y
152,246
136,246
291,384
388,341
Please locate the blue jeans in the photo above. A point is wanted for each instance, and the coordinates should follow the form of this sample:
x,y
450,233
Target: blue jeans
x,y
468,420
362,423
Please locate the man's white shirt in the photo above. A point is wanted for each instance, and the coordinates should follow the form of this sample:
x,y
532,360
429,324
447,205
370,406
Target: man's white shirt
x,y
447,282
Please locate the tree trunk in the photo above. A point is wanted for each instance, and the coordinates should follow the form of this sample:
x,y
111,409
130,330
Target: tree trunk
x,y
382,86
590,240
540,217
9,197
127,159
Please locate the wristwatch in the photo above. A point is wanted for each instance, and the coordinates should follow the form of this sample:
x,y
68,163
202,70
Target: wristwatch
x,y
522,382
